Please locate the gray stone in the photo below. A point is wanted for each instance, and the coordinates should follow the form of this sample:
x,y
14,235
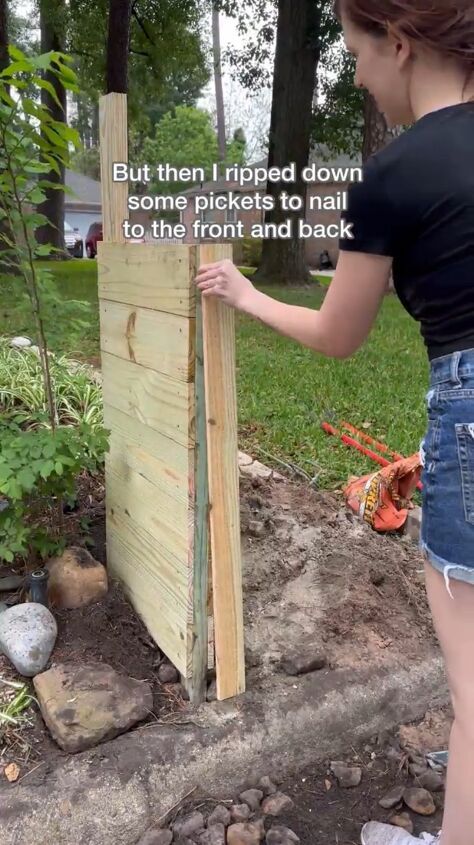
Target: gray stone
x,y
256,528
214,835
431,780
417,769
155,836
167,674
252,797
347,776
221,815
420,801
276,804
188,825
267,786
413,524
392,798
281,836
302,662
87,704
249,833
27,636
404,821
240,813
11,582
20,342
212,691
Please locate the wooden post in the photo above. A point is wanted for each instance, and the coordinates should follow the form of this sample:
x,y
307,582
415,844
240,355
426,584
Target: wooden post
x,y
222,448
113,149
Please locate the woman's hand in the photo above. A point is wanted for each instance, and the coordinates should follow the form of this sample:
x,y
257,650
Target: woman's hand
x,y
222,279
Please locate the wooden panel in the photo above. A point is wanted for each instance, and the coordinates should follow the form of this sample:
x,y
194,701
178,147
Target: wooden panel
x,y
149,276
221,418
163,462
113,148
136,563
159,402
164,518
162,342
199,537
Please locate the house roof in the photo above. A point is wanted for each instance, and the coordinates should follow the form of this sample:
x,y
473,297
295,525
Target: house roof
x,y
86,191
319,155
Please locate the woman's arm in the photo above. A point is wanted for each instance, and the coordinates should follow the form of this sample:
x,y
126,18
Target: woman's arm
x,y
346,316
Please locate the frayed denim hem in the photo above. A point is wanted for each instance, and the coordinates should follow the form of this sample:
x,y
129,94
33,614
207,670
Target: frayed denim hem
x,y
448,569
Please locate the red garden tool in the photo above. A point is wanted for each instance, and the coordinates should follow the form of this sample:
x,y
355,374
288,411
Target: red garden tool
x,y
350,441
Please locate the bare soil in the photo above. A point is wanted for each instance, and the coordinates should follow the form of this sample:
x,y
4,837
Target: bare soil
x,y
314,579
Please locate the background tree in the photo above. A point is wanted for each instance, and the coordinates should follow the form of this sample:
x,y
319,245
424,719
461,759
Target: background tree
x,y
118,46
216,48
54,100
3,35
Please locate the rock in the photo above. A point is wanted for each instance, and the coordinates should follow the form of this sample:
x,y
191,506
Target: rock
x,y
417,769
221,815
276,804
267,786
11,582
392,798
154,836
256,528
249,833
403,820
76,579
167,674
431,781
252,797
189,825
214,835
413,524
212,691
302,662
420,801
27,636
347,776
3,606
281,836
20,342
84,705
240,813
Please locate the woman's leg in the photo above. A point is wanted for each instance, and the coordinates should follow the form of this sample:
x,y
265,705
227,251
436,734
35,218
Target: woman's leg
x,y
454,622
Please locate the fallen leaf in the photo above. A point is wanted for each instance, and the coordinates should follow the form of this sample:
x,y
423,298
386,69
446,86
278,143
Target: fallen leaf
x,y
366,424
328,785
12,772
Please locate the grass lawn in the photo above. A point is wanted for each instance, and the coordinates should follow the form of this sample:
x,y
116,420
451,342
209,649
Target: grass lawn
x,y
285,391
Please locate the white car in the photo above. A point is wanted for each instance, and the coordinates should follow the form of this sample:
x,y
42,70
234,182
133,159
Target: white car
x,y
73,241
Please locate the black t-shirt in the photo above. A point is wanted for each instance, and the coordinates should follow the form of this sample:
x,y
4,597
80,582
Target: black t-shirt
x,y
416,204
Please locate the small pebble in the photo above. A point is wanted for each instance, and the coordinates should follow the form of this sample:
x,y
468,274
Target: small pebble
x,y
154,836
167,674
276,804
252,797
189,825
267,786
392,798
240,813
403,820
420,801
347,776
221,815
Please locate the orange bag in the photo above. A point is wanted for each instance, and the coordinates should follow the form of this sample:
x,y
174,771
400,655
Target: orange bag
x,y
383,498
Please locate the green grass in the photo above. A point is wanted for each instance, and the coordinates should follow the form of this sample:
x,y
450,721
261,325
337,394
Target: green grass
x,y
285,391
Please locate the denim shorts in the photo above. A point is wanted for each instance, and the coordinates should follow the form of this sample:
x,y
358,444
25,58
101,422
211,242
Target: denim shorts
x,y
447,455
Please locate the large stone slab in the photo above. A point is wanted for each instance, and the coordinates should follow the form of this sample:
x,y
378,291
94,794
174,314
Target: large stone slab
x,y
90,703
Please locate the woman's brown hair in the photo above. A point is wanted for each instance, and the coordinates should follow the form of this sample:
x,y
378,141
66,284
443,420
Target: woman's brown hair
x,y
445,26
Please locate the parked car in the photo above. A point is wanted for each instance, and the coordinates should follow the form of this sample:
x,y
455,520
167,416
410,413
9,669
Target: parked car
x,y
73,241
93,235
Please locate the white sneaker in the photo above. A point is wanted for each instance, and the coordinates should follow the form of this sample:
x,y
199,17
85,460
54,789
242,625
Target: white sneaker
x,y
376,833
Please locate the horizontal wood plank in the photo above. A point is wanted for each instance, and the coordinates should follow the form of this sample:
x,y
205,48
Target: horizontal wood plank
x,y
148,276
158,401
153,339
136,563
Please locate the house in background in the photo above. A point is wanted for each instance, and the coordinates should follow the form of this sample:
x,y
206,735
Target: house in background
x,y
84,205
314,246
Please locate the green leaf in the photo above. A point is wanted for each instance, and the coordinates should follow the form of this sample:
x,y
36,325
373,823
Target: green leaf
x,y
47,469
58,467
47,86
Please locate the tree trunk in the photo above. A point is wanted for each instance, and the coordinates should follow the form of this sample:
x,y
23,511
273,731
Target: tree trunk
x,y
376,132
4,59
52,19
118,46
296,62
216,44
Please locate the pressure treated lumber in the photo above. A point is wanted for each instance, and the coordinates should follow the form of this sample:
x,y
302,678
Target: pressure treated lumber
x,y
113,148
221,423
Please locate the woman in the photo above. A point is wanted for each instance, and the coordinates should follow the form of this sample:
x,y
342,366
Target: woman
x,y
413,213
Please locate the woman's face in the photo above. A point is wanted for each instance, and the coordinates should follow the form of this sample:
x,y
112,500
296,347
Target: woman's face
x,y
381,68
